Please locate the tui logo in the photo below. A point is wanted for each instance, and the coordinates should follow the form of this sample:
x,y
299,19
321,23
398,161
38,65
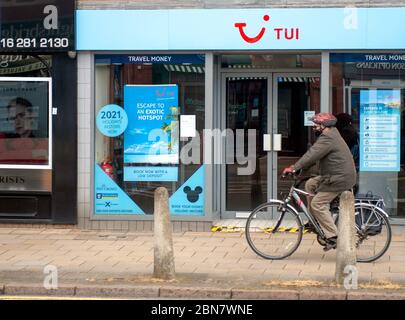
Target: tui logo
x,y
278,33
241,25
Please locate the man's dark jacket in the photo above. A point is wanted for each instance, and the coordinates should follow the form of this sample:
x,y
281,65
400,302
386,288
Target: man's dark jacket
x,y
335,162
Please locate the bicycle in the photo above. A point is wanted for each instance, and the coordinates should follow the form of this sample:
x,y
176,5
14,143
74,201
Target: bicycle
x,y
274,230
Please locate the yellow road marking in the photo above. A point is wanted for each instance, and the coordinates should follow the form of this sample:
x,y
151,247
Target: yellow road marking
x,y
265,230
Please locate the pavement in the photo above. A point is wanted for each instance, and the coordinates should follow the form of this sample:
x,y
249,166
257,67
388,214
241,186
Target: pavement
x,y
209,265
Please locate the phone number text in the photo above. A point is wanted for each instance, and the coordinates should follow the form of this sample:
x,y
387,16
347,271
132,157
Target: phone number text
x,y
34,43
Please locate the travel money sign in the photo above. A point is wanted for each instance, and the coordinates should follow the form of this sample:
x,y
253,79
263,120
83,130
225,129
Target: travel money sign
x,y
37,25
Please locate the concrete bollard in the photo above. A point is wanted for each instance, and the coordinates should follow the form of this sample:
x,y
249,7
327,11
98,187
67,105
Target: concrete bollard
x,y
346,243
163,266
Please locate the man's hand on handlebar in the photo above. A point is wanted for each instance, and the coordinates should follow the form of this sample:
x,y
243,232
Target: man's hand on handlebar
x,y
288,170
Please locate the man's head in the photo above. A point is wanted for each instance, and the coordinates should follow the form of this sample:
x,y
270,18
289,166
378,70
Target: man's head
x,y
323,120
19,110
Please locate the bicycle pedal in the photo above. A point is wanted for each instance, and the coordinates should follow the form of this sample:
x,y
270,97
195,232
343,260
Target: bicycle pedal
x,y
330,245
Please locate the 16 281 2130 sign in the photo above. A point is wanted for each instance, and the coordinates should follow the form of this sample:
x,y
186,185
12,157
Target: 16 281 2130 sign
x,y
38,25
32,43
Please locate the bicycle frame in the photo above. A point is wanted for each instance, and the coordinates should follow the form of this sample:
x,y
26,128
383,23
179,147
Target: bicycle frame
x,y
294,194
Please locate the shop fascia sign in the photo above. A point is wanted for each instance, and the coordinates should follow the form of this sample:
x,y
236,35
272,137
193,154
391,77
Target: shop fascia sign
x,y
241,29
41,25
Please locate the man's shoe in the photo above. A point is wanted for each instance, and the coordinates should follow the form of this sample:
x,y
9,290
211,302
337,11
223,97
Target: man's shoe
x,y
331,243
309,227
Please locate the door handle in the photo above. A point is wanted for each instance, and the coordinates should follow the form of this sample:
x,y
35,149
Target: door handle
x,y
267,142
277,142
270,144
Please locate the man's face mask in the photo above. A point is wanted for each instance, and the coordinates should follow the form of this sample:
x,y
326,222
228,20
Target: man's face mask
x,y
317,130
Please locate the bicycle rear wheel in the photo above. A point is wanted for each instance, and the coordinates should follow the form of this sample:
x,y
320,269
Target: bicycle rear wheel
x,y
373,236
268,241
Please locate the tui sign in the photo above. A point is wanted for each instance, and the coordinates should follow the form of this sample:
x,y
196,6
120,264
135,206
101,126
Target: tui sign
x,y
37,25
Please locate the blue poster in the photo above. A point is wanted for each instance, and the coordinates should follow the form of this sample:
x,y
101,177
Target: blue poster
x,y
109,198
380,130
152,135
189,198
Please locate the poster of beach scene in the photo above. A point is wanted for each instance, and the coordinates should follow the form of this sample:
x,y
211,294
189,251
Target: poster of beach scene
x,y
152,136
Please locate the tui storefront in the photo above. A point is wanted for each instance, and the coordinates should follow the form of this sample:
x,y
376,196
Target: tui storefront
x,y
255,74
38,120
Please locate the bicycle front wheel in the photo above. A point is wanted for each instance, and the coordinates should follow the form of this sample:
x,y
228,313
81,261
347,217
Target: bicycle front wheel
x,y
271,233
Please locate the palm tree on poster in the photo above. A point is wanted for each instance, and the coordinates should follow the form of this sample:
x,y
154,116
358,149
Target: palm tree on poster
x,y
171,127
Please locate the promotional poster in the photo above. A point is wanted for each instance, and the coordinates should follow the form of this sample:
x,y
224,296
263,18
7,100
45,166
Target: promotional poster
x,y
24,117
152,135
380,130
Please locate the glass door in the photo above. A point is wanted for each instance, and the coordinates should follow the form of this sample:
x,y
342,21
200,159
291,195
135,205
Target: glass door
x,y
245,121
295,95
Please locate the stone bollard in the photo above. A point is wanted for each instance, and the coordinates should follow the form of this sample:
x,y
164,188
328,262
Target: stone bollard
x,y
346,243
163,266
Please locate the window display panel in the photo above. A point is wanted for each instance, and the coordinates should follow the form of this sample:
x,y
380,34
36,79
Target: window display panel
x,y
24,122
368,96
139,102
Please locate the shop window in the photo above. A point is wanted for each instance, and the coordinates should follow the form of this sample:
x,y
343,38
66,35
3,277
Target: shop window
x,y
140,104
369,90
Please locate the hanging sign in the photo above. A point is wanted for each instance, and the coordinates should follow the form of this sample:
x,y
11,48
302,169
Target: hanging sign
x,y
307,116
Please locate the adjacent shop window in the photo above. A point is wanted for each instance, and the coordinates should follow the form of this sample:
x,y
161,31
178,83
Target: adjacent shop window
x,y
149,110
368,90
25,122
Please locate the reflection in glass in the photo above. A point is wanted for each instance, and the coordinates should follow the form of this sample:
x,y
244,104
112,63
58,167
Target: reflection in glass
x,y
246,108
295,96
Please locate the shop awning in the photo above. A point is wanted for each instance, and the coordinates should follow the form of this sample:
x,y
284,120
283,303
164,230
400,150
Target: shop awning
x,y
298,79
280,79
184,68
245,78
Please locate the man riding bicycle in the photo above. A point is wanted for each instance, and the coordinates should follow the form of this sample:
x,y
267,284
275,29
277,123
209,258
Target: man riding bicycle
x,y
337,172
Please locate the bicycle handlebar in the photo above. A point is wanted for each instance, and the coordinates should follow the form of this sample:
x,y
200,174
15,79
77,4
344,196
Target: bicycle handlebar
x,y
293,174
